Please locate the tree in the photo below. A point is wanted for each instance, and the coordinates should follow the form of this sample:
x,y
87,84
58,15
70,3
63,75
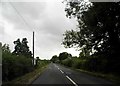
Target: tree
x,y
14,65
64,55
25,48
21,48
5,48
98,27
55,58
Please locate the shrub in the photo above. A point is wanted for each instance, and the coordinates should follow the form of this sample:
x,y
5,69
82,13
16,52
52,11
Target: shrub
x,y
67,62
95,63
15,66
76,63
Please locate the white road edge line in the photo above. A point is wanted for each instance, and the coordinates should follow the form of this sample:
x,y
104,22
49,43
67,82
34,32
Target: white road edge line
x,y
61,71
71,80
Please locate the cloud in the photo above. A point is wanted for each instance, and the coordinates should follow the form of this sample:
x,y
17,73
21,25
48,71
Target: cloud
x,y
1,28
46,19
21,13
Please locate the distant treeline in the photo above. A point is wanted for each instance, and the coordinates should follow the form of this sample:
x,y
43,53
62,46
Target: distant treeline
x,y
90,63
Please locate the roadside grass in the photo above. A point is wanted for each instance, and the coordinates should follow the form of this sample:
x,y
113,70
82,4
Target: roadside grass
x,y
111,77
28,78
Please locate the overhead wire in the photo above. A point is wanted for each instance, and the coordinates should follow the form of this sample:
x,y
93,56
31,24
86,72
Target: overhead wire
x,y
19,14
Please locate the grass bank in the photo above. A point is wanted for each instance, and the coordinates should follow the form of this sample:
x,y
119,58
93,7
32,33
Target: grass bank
x,y
28,78
111,77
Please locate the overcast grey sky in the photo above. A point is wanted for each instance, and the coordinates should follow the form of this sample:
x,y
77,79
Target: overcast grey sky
x,y
46,18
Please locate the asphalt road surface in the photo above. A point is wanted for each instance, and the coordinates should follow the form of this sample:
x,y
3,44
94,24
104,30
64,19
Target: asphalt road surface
x,y
57,74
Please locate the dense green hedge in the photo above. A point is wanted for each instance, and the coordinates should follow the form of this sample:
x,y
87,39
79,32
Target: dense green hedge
x,y
92,63
15,66
41,63
67,62
96,64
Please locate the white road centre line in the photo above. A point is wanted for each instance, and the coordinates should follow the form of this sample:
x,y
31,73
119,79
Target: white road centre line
x,y
61,71
71,80
55,65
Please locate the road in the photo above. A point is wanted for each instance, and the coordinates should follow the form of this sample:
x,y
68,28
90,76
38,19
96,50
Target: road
x,y
57,74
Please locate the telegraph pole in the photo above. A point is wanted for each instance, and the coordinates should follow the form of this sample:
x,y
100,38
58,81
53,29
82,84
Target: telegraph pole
x,y
33,47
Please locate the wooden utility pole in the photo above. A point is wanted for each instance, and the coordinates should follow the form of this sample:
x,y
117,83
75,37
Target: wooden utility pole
x,y
33,47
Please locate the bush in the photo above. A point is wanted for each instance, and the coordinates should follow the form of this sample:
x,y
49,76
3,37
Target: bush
x,y
91,63
41,63
95,63
15,66
67,62
76,63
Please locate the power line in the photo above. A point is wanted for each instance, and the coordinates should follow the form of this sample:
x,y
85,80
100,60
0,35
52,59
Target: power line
x,y
19,14
25,23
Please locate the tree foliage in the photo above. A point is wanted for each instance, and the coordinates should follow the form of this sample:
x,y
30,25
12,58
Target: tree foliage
x,y
64,55
17,63
21,48
98,29
55,58
5,48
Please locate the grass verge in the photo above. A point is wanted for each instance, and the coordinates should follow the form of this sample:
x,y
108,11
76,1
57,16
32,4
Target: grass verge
x,y
28,78
111,77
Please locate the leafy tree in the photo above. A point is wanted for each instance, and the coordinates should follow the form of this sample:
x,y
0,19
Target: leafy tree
x,y
21,48
64,55
5,48
98,29
17,50
81,55
14,65
55,58
67,62
98,26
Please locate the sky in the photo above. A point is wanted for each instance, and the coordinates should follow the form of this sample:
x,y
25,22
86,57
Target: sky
x,y
18,19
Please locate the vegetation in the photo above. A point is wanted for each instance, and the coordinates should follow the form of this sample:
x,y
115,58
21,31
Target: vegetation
x,y
16,63
31,76
93,65
64,55
17,66
55,58
97,35
21,48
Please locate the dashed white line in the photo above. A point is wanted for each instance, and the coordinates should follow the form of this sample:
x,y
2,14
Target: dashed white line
x,y
66,76
61,71
56,66
71,80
